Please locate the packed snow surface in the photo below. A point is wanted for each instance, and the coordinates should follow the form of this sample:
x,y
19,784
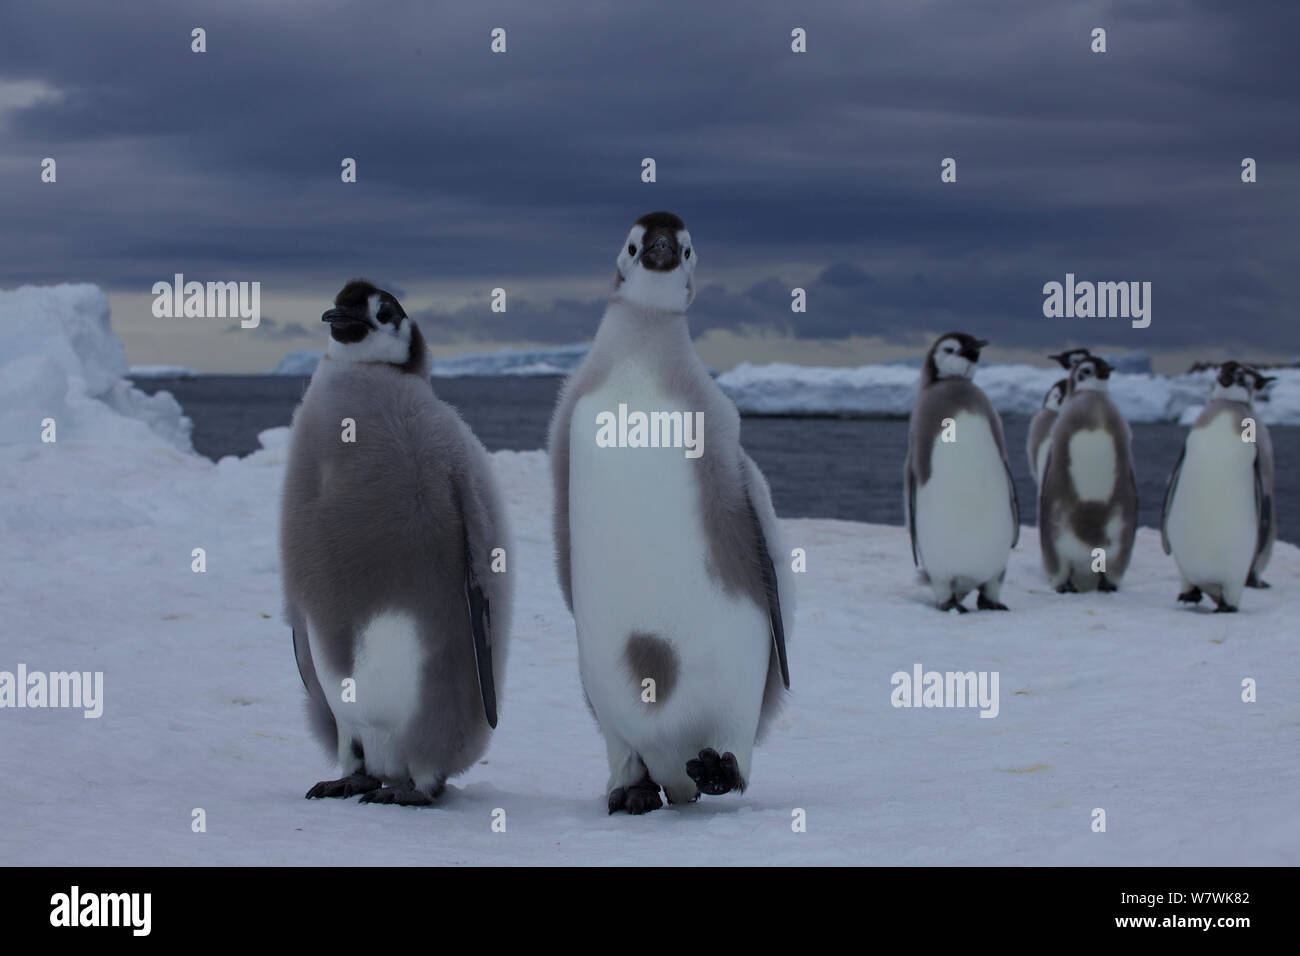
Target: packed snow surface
x,y
1122,702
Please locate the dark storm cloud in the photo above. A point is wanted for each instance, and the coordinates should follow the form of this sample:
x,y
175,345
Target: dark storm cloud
x,y
1115,166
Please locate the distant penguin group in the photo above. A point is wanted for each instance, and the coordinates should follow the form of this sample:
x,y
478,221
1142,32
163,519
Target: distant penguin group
x,y
960,501
395,545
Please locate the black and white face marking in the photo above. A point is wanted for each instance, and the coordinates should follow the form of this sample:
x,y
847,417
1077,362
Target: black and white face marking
x,y
1238,383
368,324
1056,395
1069,357
656,265
1090,374
954,355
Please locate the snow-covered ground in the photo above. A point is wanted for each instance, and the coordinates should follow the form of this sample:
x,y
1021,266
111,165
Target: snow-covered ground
x,y
1123,702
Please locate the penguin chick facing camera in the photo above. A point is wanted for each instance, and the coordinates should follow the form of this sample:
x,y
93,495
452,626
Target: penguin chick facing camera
x,y
1087,493
1217,520
669,555
392,546
959,499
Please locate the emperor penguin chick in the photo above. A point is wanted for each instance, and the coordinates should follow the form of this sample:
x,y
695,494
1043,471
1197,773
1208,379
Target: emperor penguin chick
x,y
1040,426
394,584
667,545
959,497
1087,494
1218,511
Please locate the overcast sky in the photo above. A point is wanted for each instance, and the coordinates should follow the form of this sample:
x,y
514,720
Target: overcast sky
x,y
522,170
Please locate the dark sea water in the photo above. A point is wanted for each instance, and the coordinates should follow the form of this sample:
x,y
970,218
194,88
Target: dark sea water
x,y
849,468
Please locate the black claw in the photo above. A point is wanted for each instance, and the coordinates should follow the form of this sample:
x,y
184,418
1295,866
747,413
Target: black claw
x,y
1105,585
345,787
1191,597
985,604
1225,609
637,799
402,796
1254,581
1067,588
715,775
952,603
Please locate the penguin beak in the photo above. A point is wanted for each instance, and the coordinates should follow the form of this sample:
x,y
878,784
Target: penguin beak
x,y
1059,358
661,255
972,351
337,317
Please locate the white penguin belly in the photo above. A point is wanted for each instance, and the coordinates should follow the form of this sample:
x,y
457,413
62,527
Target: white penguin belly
x,y
387,670
1212,523
1092,464
640,564
963,513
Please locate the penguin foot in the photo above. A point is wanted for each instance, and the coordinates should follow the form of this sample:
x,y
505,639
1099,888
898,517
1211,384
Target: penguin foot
x,y
715,775
984,604
1191,597
953,603
1225,609
402,796
1255,581
344,787
1066,587
1105,584
637,799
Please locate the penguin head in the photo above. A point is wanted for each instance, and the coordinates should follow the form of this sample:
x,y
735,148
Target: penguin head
x,y
1069,357
1238,383
656,266
954,355
1056,395
1091,374
368,324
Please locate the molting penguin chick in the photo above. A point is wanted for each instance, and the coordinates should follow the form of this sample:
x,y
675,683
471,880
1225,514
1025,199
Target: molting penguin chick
x,y
1070,357
1041,426
669,555
959,496
1217,519
390,518
1087,499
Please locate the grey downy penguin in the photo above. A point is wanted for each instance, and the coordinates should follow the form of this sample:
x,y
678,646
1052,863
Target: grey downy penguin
x,y
959,497
1040,426
1069,357
667,546
394,587
1217,512
1087,500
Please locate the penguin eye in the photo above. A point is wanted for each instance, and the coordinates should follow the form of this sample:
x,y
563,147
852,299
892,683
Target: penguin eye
x,y
688,254
631,249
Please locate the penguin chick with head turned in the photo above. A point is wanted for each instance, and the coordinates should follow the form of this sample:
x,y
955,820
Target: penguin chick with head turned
x,y
1040,426
1218,510
390,525
1087,494
958,494
670,559
1070,357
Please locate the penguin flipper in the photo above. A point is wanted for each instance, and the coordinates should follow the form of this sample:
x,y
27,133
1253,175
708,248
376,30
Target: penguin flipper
x,y
1172,486
768,570
1015,504
480,621
1263,508
909,494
